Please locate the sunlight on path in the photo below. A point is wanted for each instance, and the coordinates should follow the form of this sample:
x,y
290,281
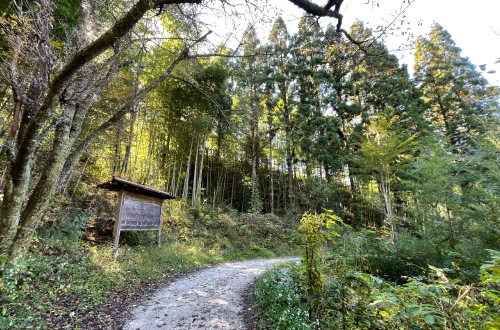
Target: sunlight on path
x,y
208,299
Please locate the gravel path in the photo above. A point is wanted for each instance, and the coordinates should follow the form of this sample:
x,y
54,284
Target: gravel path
x,y
208,299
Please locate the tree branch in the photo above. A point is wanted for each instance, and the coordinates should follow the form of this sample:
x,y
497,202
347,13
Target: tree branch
x,y
316,10
117,31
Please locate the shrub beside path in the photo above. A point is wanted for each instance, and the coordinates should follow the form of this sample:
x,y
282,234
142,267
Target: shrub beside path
x,y
212,298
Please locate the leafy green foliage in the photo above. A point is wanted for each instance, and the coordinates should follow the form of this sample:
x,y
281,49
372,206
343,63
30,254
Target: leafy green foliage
x,y
56,280
352,299
315,194
75,228
315,230
385,151
279,301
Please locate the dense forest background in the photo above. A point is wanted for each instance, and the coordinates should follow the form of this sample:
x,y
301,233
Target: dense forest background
x,y
282,125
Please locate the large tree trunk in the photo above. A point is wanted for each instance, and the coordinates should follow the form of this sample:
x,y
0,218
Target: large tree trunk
x,y
172,189
14,195
255,128
354,199
233,172
178,186
16,192
116,165
15,120
45,188
200,175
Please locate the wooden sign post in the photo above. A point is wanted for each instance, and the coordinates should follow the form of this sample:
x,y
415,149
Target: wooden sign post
x,y
139,207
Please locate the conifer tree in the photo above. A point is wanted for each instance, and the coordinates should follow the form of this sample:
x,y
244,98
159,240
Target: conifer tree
x,y
250,79
308,57
458,96
278,98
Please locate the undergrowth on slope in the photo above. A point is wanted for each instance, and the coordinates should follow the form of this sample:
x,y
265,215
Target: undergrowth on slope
x,y
365,282
69,283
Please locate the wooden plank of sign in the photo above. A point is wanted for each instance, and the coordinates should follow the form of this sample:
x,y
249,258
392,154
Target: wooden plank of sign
x,y
137,212
140,212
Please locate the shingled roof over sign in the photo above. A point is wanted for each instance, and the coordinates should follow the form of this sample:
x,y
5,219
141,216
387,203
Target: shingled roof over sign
x,y
118,184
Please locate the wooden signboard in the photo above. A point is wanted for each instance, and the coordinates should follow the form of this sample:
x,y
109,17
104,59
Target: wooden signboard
x,y
139,207
140,212
137,212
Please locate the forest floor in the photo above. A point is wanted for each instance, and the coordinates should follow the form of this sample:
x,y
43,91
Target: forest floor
x,y
212,298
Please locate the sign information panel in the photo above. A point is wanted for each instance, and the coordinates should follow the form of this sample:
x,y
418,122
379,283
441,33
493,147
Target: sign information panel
x,y
140,212
137,212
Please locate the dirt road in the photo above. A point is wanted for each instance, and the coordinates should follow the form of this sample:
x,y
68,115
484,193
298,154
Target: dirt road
x,y
211,298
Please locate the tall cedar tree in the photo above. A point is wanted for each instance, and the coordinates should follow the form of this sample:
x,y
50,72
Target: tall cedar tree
x,y
458,96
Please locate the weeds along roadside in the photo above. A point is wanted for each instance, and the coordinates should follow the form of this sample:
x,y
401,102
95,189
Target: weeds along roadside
x,y
358,288
70,282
